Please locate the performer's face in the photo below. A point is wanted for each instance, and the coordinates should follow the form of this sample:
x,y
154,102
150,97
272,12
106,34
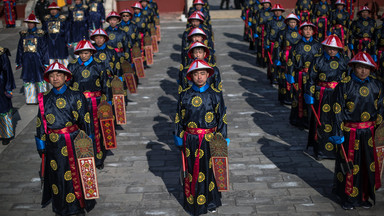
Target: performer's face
x,y
292,23
278,13
198,53
54,12
136,10
362,71
144,4
331,51
199,6
199,77
85,55
195,23
78,2
31,25
365,14
113,21
340,7
197,38
266,5
99,40
126,17
307,31
57,79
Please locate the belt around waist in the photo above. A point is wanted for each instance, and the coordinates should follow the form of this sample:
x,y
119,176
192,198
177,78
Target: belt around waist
x,y
65,130
92,94
328,84
359,125
197,131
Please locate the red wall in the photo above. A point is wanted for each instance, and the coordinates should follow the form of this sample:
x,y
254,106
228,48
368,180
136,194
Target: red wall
x,y
292,3
165,6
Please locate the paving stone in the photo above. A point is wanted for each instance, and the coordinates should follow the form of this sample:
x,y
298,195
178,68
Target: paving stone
x,y
314,207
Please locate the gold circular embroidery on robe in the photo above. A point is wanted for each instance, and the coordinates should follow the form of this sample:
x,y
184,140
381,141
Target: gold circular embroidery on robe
x,y
336,108
356,169
133,36
225,118
187,152
365,116
340,16
55,190
279,24
317,95
196,101
75,86
209,117
68,176
201,153
261,20
322,76
320,24
87,118
208,137
70,198
340,176
327,128
54,137
142,25
211,186
111,65
329,146
346,79
126,55
372,167
180,89
50,118
102,56
38,122
182,113
312,89
294,34
307,48
53,165
364,91
220,86
85,73
60,103
177,118
273,32
189,177
75,115
119,45
366,35
68,124
99,155
112,36
201,177
190,200
350,106
357,145
379,119
370,142
192,125
118,65
334,65
44,137
64,151
97,83
365,23
79,104
289,62
355,192
375,103
181,135
326,108
201,200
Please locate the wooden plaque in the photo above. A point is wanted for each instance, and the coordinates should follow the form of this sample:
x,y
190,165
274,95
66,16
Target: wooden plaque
x,y
105,114
131,82
139,66
136,52
86,164
221,173
154,44
147,40
149,54
380,159
118,100
379,136
158,32
127,67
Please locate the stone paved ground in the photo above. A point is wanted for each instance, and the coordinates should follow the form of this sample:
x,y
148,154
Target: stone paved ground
x,y
269,174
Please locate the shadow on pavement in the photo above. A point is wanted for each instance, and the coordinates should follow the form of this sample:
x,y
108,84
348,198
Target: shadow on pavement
x,y
237,37
282,144
238,56
240,46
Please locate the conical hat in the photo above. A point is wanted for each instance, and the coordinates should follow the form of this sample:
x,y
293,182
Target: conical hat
x,y
340,2
363,58
137,5
195,16
198,2
31,18
277,7
196,31
98,32
56,66
308,24
113,14
84,45
333,41
53,5
291,16
199,65
126,10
